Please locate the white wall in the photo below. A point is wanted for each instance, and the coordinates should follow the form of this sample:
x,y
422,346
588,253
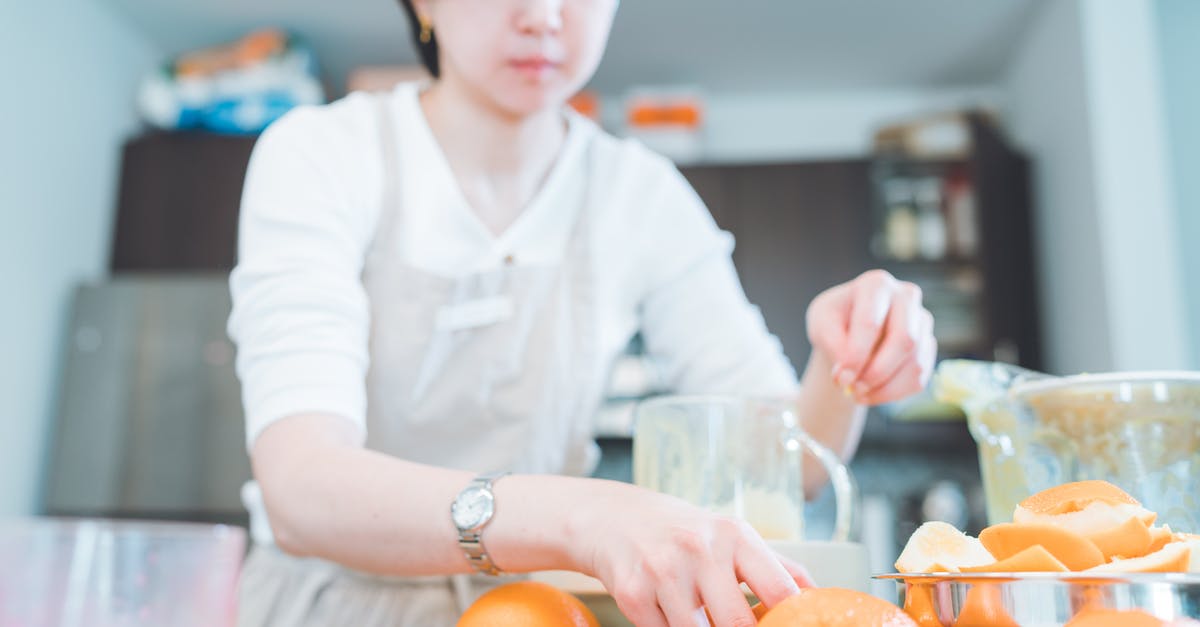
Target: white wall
x,y
1178,23
69,70
1135,197
1082,99
1047,113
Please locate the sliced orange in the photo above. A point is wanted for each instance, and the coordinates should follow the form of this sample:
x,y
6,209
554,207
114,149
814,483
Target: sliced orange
x,y
1172,558
918,604
984,608
834,607
1130,539
1075,551
1114,618
1035,559
1192,541
1073,497
1095,518
1160,537
937,547
1085,507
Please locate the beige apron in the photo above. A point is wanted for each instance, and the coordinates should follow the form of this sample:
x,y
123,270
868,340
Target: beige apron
x,y
496,370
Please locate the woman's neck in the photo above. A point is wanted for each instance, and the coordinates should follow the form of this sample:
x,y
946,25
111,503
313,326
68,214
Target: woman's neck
x,y
499,160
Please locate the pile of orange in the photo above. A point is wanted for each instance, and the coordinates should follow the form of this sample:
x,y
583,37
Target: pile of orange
x,y
1090,526
531,604
1086,526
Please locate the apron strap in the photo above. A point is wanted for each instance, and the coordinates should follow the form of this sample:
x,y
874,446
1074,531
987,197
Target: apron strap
x,y
389,201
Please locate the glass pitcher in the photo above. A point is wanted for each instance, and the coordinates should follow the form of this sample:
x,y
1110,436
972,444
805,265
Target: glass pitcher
x,y
1139,431
737,456
104,573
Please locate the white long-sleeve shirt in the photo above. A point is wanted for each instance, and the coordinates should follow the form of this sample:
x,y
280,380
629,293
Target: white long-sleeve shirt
x,y
312,201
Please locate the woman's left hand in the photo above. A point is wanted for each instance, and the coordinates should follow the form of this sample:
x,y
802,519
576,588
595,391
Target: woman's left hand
x,y
877,334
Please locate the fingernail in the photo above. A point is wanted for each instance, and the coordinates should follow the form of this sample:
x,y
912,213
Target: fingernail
x,y
861,389
846,378
837,369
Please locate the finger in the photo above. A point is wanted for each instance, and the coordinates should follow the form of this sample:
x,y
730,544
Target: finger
x,y
872,300
758,566
797,570
911,379
907,325
829,319
722,595
640,605
682,607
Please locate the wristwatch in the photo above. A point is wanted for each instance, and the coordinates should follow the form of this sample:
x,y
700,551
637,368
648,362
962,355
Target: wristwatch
x,y
471,511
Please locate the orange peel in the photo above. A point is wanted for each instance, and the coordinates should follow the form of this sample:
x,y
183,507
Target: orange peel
x,y
1008,539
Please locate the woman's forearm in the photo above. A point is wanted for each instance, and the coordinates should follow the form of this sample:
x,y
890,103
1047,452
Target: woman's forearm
x,y
829,416
327,497
658,556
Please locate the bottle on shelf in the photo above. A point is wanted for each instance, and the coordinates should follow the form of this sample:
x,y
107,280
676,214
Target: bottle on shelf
x,y
900,229
960,208
931,223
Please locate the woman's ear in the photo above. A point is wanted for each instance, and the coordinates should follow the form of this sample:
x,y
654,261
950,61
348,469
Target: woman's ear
x,y
421,7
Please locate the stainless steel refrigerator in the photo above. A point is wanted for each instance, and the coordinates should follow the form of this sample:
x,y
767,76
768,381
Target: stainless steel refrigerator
x,y
150,416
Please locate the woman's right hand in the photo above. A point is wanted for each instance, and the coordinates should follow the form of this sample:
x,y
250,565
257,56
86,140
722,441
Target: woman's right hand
x,y
664,560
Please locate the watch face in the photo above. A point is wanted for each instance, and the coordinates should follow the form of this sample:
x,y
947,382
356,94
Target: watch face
x,y
472,508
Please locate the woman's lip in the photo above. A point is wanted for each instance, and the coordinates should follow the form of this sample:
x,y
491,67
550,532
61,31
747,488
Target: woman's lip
x,y
533,64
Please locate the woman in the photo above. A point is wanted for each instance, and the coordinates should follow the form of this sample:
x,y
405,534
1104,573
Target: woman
x,y
433,284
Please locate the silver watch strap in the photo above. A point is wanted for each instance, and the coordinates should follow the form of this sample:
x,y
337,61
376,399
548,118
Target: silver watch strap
x,y
471,542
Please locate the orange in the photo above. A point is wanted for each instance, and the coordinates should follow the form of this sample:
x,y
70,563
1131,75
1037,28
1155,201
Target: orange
x,y
1173,558
834,607
1160,537
1192,541
1073,497
918,604
1073,550
1114,618
938,547
1093,519
984,608
1085,507
527,604
1130,539
1035,559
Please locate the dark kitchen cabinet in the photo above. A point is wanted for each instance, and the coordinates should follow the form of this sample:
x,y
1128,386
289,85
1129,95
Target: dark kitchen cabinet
x,y
177,204
799,229
802,227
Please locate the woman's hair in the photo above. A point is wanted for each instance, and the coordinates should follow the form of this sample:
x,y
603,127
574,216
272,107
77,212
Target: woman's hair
x,y
428,51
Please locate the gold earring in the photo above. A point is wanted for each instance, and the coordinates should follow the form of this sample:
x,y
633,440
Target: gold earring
x,y
426,30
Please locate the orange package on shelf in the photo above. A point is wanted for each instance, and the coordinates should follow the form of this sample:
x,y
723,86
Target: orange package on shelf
x,y
683,113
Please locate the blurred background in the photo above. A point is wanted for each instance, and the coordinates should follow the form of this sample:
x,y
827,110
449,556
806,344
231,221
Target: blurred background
x,y
1033,164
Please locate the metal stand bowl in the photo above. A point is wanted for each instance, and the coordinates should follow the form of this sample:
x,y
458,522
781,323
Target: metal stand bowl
x,y
1042,599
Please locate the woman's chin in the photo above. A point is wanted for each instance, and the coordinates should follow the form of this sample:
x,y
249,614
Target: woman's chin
x,y
523,100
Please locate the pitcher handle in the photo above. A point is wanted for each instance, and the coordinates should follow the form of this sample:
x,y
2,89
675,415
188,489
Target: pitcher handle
x,y
845,492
